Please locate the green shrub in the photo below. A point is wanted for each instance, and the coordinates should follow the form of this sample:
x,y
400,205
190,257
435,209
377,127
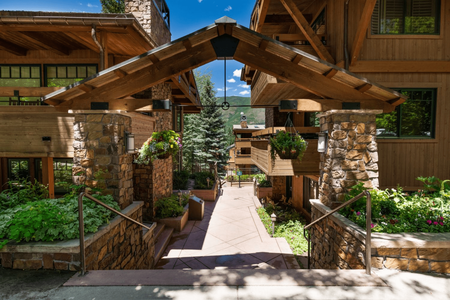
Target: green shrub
x,y
201,182
22,192
53,219
180,180
260,177
265,183
169,207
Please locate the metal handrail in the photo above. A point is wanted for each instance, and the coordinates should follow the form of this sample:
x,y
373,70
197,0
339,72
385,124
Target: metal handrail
x,y
368,228
81,225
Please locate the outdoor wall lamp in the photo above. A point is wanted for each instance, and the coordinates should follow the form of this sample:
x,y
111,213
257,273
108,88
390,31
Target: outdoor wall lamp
x,y
273,217
130,142
322,144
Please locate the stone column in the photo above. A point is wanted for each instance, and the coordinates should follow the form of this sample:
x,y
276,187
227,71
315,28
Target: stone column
x,y
162,91
351,155
100,158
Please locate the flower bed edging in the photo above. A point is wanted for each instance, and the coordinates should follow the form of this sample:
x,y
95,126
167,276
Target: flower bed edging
x,y
207,195
340,243
177,223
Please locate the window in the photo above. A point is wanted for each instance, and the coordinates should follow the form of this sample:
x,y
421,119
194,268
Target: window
x,y
310,191
19,76
18,169
64,75
412,119
62,168
406,17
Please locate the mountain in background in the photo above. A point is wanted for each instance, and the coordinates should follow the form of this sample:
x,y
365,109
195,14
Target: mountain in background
x,y
255,116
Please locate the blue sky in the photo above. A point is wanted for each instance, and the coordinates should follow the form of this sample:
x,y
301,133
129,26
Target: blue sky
x,y
186,16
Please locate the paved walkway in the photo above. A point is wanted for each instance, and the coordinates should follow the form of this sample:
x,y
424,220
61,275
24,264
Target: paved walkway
x,y
231,235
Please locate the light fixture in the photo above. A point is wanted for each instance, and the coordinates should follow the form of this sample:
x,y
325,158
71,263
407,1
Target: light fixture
x,y
273,217
130,142
322,144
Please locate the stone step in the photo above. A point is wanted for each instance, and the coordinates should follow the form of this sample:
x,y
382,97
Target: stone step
x,y
158,230
227,277
145,231
161,243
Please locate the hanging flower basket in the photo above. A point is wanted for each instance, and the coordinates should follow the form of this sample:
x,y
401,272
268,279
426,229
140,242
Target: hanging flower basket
x,y
288,145
160,145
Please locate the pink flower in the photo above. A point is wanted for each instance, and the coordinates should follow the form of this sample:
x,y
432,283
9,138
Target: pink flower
x,y
435,222
429,222
358,213
441,223
372,225
442,218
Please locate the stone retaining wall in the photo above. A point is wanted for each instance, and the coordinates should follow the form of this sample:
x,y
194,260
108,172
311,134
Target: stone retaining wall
x,y
119,245
338,243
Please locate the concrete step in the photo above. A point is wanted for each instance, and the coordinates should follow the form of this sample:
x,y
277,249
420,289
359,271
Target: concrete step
x,y
158,230
227,277
161,243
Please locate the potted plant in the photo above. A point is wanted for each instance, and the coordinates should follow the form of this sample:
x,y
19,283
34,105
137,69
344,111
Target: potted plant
x,y
172,211
287,146
160,145
206,188
263,187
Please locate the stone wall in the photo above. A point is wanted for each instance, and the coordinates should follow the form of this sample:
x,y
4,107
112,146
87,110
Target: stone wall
x,y
99,154
118,245
338,243
352,153
150,19
278,186
151,183
275,118
164,120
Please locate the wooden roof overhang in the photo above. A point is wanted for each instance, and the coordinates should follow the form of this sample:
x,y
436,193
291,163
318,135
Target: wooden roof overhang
x,y
226,40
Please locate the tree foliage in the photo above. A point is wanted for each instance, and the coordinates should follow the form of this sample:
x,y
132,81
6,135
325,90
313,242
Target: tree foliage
x,y
113,6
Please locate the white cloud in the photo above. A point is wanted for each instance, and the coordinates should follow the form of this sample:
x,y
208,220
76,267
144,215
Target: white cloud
x,y
200,1
243,93
228,8
231,80
221,90
244,86
91,5
237,73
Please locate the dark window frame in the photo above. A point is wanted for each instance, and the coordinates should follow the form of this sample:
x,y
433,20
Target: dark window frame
x,y
45,66
9,168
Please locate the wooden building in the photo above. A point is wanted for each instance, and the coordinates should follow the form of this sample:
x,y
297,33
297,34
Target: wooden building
x,y
403,45
42,52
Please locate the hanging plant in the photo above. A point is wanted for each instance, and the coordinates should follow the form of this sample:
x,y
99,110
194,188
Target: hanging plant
x,y
287,145
160,145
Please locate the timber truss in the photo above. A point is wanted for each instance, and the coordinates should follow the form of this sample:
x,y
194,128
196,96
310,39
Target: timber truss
x,y
327,85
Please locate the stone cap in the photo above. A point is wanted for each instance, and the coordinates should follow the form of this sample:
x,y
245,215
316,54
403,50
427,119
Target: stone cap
x,y
350,112
86,112
388,240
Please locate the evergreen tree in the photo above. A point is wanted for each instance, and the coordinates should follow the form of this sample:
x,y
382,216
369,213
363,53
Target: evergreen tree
x,y
193,142
113,6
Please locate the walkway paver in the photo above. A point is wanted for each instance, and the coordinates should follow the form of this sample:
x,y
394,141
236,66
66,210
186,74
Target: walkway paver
x,y
231,235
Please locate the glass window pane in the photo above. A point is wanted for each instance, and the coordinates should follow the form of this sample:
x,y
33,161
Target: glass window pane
x,y
21,82
62,72
35,72
25,72
82,72
62,169
51,72
416,118
18,169
15,72
91,70
72,72
387,124
5,72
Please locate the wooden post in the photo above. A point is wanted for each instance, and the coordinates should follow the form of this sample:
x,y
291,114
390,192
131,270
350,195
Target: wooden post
x,y
48,175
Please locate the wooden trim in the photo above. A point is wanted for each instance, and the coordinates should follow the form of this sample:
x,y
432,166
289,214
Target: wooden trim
x,y
361,31
48,175
27,91
401,66
12,48
262,14
407,141
309,33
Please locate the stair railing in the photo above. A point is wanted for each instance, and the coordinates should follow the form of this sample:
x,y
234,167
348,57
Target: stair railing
x,y
81,225
368,228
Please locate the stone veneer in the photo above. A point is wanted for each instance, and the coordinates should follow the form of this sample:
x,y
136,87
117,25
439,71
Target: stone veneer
x,y
119,245
352,153
150,19
338,243
151,183
278,186
99,154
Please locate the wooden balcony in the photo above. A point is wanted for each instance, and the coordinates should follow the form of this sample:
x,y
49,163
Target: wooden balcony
x,y
285,167
244,159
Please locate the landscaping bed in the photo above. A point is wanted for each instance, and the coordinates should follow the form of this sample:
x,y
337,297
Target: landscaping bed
x,y
172,213
204,190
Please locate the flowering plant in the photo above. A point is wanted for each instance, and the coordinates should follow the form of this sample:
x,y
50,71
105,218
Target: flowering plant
x,y
160,145
288,146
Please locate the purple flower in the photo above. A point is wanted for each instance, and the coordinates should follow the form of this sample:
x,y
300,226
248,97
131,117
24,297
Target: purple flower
x,y
358,213
435,223
442,218
441,223
372,225
429,222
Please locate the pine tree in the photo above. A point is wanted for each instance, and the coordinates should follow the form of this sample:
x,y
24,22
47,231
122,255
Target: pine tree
x,y
113,6
193,142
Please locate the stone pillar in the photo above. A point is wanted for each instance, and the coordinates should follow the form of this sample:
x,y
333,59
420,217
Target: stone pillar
x,y
162,91
351,155
100,159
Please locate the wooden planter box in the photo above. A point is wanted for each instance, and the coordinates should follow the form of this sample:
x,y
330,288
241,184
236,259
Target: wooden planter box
x,y
177,223
263,192
207,195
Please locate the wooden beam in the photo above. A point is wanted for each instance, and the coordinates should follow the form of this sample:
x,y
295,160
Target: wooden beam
x,y
363,24
12,48
48,177
156,73
297,75
87,42
284,19
120,73
187,44
6,91
397,66
309,33
315,105
264,7
330,73
297,59
291,37
364,88
85,87
396,101
128,105
42,40
263,45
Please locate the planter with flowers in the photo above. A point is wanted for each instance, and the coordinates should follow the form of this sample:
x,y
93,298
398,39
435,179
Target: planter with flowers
x,y
287,146
160,145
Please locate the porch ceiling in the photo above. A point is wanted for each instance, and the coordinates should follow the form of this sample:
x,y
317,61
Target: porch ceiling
x,y
323,80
